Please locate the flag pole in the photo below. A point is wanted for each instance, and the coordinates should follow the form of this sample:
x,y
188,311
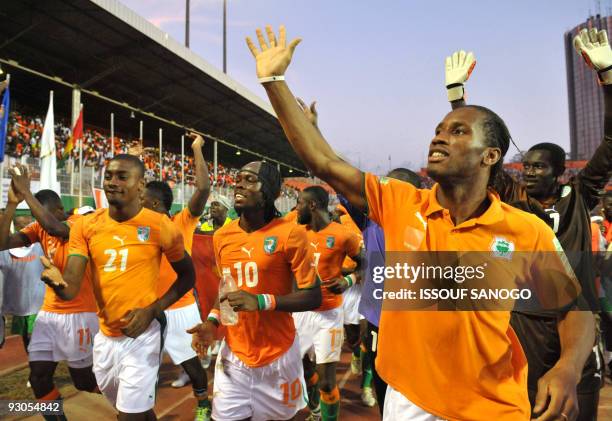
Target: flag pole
x,y
112,130
183,170
80,168
161,162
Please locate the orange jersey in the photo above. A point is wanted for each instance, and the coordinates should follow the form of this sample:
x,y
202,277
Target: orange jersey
x,y
330,247
264,262
347,221
56,249
125,258
291,216
186,223
474,357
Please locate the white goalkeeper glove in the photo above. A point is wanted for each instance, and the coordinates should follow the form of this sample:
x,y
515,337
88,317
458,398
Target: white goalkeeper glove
x,y
458,70
593,46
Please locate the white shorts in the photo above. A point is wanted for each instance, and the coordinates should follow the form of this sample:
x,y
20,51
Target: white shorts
x,y
64,337
399,408
178,342
126,368
350,305
321,332
276,391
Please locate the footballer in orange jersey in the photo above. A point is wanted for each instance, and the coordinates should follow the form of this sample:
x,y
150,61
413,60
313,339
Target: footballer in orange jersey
x,y
63,330
124,244
259,372
321,331
184,313
462,364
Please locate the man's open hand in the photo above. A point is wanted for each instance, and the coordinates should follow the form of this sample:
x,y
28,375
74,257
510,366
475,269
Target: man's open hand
x,y
51,275
20,179
310,112
273,57
458,69
203,336
556,398
594,47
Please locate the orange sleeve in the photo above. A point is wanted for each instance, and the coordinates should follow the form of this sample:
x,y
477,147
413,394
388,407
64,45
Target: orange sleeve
x,y
32,231
78,244
301,257
386,193
171,240
353,244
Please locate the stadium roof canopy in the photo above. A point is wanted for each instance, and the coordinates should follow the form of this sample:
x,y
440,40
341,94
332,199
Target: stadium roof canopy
x,y
109,51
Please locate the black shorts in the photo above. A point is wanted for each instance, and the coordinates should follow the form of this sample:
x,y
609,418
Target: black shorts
x,y
540,341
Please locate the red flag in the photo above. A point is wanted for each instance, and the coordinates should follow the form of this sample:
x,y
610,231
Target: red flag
x,y
77,133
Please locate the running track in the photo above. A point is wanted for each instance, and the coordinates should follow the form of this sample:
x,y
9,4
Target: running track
x,y
178,404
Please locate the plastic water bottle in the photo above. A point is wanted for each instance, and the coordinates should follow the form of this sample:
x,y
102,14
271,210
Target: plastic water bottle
x,y
227,284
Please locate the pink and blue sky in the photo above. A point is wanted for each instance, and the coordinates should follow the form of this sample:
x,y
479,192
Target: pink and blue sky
x,y
376,68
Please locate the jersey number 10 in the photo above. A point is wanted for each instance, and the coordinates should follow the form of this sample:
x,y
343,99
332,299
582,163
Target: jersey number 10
x,y
249,275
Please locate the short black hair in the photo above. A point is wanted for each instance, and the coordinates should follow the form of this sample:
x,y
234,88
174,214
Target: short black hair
x,y
131,159
497,135
48,197
404,174
557,156
319,195
162,192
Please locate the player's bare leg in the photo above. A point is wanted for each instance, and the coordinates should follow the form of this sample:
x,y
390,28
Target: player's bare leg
x,y
330,395
41,380
84,379
199,383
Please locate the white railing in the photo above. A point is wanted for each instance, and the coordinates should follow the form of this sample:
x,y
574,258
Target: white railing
x,y
69,183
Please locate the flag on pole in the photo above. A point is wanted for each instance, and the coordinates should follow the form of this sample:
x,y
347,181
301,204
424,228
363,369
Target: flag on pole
x,y
48,160
77,134
4,115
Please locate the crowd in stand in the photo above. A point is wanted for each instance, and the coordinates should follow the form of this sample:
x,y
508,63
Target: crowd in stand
x,y
24,135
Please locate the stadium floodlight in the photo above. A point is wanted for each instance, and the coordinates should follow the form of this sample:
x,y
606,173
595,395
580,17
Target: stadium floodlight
x,y
238,152
1,71
132,114
290,169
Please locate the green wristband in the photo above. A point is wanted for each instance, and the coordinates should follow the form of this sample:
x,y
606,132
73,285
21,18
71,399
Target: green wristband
x,y
349,280
261,302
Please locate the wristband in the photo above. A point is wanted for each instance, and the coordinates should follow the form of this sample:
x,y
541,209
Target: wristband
x,y
266,302
349,279
214,317
604,76
455,92
271,79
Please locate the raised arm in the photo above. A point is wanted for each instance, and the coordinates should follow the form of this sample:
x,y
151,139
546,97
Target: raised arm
x,y
20,176
197,203
594,47
272,62
8,241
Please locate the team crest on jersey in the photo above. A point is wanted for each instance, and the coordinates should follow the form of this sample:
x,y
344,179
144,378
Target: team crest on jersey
x,y
331,240
502,248
384,180
270,244
566,190
143,233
